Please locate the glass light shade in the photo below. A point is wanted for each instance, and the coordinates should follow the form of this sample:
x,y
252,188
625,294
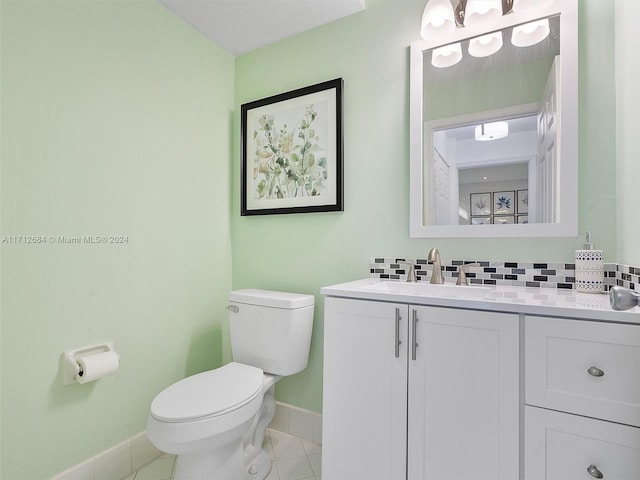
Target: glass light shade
x,y
446,56
485,45
491,131
530,5
482,13
530,33
437,19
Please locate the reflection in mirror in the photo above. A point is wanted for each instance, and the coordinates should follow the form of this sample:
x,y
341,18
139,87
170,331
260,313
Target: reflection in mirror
x,y
464,166
526,170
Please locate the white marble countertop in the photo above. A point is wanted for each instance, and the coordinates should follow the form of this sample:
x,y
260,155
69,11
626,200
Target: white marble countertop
x,y
530,301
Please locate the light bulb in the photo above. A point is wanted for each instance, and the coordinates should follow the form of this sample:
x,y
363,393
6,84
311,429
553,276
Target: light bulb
x,y
485,45
530,5
437,19
446,56
482,13
530,33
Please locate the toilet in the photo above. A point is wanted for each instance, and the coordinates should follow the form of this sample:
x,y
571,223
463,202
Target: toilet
x,y
215,421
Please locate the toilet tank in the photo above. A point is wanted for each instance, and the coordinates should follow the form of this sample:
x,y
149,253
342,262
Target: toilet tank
x,y
271,330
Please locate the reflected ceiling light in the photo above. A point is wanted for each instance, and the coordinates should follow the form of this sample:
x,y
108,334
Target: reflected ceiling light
x,y
485,45
437,19
482,13
446,56
491,131
530,33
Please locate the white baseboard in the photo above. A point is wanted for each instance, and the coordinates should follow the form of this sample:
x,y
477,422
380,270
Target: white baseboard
x,y
297,421
127,457
116,463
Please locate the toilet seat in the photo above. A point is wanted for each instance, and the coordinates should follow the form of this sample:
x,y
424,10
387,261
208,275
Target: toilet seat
x,y
208,394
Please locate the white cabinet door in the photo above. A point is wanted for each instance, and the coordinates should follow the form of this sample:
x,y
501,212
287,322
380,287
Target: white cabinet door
x,y
365,390
560,446
463,395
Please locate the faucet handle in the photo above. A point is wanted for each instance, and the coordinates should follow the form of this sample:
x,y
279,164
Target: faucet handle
x,y
411,274
462,274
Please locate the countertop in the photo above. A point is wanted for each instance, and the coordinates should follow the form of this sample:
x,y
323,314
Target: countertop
x,y
530,301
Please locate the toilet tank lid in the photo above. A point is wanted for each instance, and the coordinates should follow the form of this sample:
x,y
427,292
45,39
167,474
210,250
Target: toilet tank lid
x,y
268,298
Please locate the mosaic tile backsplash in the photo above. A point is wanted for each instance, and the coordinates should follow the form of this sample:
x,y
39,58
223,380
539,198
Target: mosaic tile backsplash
x,y
524,274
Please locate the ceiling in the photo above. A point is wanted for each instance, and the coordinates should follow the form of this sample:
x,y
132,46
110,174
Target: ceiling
x,y
240,26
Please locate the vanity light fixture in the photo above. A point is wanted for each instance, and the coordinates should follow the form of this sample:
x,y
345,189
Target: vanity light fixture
x,y
530,5
485,45
437,19
491,131
446,56
530,33
440,19
482,12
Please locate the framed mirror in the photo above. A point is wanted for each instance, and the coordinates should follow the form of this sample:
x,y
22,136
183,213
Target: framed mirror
x,y
494,137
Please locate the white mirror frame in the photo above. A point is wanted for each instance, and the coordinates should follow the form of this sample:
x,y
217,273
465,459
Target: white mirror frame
x,y
567,207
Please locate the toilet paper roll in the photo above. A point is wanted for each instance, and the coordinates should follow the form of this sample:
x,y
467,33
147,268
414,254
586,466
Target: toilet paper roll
x,y
93,367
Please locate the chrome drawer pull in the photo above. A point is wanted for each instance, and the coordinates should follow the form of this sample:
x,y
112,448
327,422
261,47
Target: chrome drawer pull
x,y
594,472
595,372
414,345
398,342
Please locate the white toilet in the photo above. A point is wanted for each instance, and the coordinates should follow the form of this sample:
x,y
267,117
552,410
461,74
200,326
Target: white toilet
x,y
215,421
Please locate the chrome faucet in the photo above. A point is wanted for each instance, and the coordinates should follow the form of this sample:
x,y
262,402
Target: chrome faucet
x,y
411,274
434,258
462,273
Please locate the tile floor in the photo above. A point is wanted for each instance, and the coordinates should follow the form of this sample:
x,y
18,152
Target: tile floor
x,y
291,459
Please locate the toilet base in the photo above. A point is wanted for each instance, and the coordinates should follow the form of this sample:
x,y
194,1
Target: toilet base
x,y
223,464
259,465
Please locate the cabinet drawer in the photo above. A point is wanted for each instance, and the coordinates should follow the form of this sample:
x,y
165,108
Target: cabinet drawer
x,y
587,368
561,446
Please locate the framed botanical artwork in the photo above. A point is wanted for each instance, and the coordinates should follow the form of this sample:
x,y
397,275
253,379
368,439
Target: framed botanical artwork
x,y
503,220
503,203
522,202
291,152
481,220
481,204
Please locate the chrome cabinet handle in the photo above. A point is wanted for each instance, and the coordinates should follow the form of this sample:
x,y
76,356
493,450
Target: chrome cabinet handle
x,y
595,372
398,341
594,472
414,328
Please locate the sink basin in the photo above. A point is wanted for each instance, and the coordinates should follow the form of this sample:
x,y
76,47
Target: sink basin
x,y
428,289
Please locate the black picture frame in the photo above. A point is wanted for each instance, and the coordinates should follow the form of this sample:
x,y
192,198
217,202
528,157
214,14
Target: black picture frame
x,y
292,152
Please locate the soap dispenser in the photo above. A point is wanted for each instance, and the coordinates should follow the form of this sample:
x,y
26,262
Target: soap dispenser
x,y
589,268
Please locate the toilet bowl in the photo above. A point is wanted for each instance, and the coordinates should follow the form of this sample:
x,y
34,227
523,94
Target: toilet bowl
x,y
215,421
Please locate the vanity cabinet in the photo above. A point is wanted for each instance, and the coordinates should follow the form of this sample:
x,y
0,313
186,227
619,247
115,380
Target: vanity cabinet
x,y
582,396
365,390
419,392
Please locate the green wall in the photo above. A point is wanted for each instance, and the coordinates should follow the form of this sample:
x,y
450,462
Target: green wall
x,y
370,52
628,141
485,91
116,120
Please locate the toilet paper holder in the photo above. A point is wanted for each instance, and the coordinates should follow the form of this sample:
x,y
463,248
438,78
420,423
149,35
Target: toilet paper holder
x,y
70,365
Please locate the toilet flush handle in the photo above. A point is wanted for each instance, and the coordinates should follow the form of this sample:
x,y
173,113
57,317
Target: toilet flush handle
x,y
232,308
